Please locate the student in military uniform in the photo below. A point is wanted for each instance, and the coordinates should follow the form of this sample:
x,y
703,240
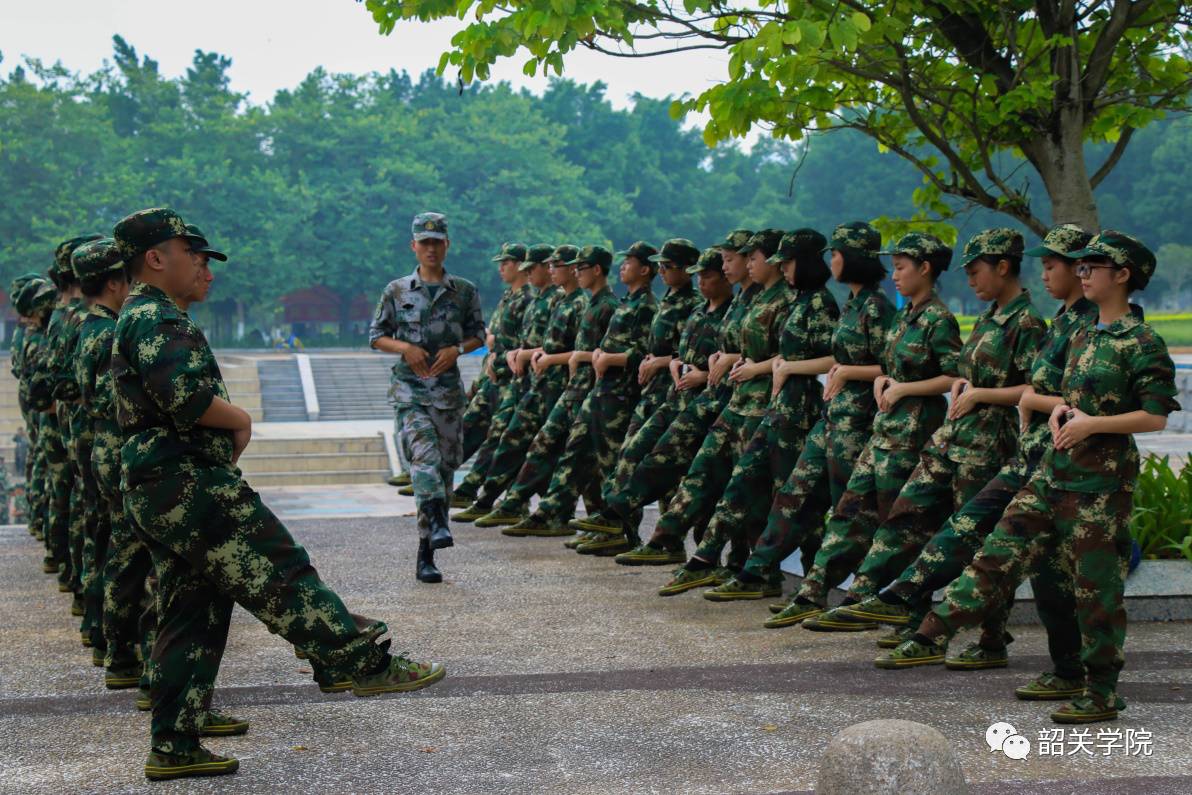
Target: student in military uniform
x,y
430,318
34,302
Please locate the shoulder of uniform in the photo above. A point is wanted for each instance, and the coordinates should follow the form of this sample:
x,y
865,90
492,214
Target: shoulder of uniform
x,y
461,283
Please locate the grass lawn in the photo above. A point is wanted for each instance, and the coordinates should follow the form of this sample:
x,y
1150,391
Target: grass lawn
x,y
1174,327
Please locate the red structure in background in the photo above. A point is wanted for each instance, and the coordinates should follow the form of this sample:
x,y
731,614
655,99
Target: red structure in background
x,y
321,304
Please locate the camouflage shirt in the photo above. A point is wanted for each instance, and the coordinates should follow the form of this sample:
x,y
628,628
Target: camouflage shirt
x,y
1112,369
806,334
18,339
566,312
537,316
406,312
592,326
628,333
697,343
63,339
33,362
165,378
998,353
93,367
859,339
730,329
923,344
673,311
506,326
760,332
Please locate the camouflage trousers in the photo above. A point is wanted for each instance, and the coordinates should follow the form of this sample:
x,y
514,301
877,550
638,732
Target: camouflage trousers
x,y
816,483
98,529
1090,535
478,415
706,478
508,397
433,443
548,443
59,480
36,481
215,544
530,414
663,465
639,442
764,466
872,488
936,489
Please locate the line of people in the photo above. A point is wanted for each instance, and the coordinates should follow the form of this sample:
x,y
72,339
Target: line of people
x,y
924,462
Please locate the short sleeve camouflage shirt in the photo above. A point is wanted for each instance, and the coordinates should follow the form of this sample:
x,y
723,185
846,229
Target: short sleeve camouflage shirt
x,y
506,327
592,326
760,333
806,334
730,329
93,371
565,315
859,339
537,315
698,341
665,331
628,332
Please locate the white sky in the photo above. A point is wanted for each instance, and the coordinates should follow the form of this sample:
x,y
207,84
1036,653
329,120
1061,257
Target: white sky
x,y
275,43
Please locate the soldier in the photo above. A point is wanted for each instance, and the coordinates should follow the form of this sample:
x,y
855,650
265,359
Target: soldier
x,y
430,318
978,437
1118,380
34,302
604,415
548,378
213,542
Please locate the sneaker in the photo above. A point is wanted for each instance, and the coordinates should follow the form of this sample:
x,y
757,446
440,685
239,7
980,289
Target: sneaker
x,y
199,762
1051,687
598,523
218,724
734,590
460,501
122,678
76,606
723,574
976,657
472,513
144,700
336,687
646,555
50,566
497,518
1085,709
582,538
837,620
684,579
895,638
300,654
98,657
399,480
874,609
401,675
406,491
793,613
64,587
604,545
778,607
85,638
528,525
911,654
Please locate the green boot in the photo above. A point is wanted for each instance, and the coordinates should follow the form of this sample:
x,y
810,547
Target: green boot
x,y
498,518
734,590
122,678
911,654
838,620
401,479
472,513
199,762
598,523
1087,709
685,579
401,675
794,613
1051,687
874,609
604,545
217,724
646,555
976,657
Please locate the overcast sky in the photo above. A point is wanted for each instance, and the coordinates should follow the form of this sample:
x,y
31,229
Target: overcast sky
x,y
275,43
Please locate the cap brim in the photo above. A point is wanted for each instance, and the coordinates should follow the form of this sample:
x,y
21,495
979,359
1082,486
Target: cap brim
x,y
777,259
431,236
746,250
1087,252
525,266
210,252
1043,251
656,258
697,268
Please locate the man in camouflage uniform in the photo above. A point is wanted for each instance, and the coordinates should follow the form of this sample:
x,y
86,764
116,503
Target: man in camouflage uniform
x,y
1118,380
430,318
213,542
592,265
548,365
28,435
34,302
605,413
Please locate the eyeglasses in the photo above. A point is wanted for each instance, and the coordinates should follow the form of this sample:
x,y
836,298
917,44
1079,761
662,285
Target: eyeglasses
x,y
1085,269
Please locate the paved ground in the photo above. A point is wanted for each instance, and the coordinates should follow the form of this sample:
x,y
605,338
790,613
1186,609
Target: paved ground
x,y
564,673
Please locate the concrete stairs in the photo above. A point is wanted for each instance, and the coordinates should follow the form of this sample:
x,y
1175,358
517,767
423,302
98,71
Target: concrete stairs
x,y
281,390
352,387
244,386
10,413
315,461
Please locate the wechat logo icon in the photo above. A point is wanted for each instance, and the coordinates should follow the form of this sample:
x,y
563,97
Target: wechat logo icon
x,y
1005,738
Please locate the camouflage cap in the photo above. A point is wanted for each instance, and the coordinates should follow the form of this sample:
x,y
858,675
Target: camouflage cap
x,y
857,237
34,295
537,254
710,260
999,242
66,248
1122,250
96,258
1061,241
201,245
921,246
798,244
679,250
641,249
144,229
735,239
565,254
14,287
513,251
766,241
593,255
429,225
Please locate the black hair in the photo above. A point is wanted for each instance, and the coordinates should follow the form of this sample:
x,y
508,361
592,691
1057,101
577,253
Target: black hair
x,y
1015,261
860,268
605,269
94,285
63,280
939,261
1133,284
811,272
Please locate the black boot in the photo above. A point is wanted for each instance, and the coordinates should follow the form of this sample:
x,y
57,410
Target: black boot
x,y
435,513
425,570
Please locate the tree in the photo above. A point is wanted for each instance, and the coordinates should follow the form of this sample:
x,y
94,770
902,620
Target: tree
x,y
967,92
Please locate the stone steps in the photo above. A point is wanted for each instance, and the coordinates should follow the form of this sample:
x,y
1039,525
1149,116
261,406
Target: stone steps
x,y
315,461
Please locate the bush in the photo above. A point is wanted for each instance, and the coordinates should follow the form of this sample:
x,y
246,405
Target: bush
x,y
1162,519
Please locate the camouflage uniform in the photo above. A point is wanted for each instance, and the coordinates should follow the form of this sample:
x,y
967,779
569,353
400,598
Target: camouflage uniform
x,y
1079,500
213,542
59,473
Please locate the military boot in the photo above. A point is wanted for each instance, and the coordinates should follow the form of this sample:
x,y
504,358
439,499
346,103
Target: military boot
x,y
161,766
425,569
434,513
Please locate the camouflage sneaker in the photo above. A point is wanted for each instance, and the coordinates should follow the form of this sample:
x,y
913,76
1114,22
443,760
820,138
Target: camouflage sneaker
x,y
399,480
217,724
98,657
523,527
874,609
50,566
1087,710
597,523
582,538
63,587
604,546
1051,687
122,678
335,687
547,530
684,579
406,491
646,555
976,657
498,518
460,501
778,607
837,620
734,590
911,654
895,638
793,613
144,700
85,638
402,675
300,654
472,513
723,574
76,606
199,762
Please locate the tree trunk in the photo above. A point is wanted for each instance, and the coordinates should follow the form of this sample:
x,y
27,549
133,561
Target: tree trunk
x,y
1059,158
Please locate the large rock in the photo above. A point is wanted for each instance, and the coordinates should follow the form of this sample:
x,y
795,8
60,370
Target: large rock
x,y
890,757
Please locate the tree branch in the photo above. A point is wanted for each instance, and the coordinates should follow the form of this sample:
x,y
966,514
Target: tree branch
x,y
1114,156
